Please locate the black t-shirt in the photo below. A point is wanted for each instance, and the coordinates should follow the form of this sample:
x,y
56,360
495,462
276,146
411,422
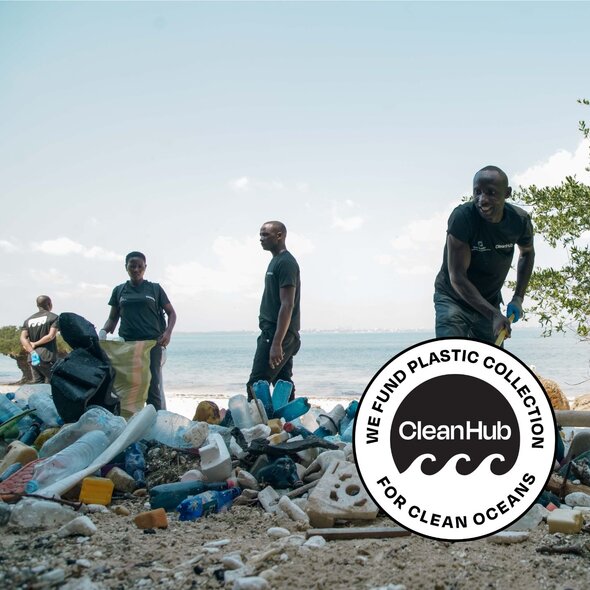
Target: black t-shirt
x,y
492,248
141,309
283,271
39,325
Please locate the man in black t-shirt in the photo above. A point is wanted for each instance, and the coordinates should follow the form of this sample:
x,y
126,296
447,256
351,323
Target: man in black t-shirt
x,y
278,320
38,334
481,236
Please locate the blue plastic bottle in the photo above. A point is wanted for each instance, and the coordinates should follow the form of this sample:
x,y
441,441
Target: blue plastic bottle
x,y
8,408
295,430
281,394
205,503
35,358
293,409
262,392
349,416
169,495
135,463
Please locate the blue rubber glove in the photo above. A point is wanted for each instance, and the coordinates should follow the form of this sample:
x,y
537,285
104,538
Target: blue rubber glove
x,y
515,308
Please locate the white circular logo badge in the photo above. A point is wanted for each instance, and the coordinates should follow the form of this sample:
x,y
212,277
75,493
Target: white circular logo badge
x,y
455,439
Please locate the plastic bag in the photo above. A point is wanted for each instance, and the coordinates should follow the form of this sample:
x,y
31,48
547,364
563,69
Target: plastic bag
x,y
131,361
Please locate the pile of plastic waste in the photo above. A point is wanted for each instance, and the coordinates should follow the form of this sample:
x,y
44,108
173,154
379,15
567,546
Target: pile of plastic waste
x,y
48,469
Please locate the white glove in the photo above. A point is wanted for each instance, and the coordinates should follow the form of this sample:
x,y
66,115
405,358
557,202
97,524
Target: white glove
x,y
102,335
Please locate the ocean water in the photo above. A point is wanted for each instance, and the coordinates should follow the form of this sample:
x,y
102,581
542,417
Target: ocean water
x,y
338,364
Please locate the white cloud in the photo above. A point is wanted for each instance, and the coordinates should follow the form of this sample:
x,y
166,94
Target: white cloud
x,y
64,246
238,269
7,246
49,276
553,171
418,248
245,184
342,218
87,291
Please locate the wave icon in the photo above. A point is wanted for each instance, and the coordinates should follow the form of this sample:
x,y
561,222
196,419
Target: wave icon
x,y
461,464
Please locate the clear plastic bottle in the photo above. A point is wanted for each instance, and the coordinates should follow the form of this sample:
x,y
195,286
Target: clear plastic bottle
x,y
240,411
42,402
169,428
205,503
95,418
8,408
69,460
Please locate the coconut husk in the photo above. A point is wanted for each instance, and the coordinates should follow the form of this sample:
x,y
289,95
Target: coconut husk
x,y
557,397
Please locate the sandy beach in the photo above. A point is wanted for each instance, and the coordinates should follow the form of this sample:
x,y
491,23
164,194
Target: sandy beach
x,y
199,554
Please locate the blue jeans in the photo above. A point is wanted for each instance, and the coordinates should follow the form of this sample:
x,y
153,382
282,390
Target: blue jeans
x,y
460,321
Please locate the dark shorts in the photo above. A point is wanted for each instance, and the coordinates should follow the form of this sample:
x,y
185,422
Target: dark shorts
x,y
41,373
460,321
261,370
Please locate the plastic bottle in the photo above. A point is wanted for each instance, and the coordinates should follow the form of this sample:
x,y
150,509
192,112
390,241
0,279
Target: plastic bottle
x,y
281,394
77,456
42,402
35,358
293,409
330,422
346,436
240,411
262,392
170,495
135,463
8,408
29,435
169,429
348,416
95,418
205,503
24,392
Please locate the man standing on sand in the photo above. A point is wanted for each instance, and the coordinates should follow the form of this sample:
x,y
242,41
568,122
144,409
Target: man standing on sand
x,y
481,235
279,321
39,334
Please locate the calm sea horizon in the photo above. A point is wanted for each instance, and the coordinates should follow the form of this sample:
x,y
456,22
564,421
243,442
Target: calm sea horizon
x,y
338,364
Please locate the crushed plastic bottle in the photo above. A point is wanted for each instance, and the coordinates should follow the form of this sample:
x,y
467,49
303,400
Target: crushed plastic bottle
x,y
205,503
240,411
42,403
77,456
35,358
95,418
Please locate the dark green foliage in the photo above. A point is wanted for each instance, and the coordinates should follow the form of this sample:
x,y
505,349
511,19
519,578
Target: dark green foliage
x,y
560,297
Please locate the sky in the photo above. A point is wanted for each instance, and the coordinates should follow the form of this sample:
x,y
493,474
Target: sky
x,y
177,129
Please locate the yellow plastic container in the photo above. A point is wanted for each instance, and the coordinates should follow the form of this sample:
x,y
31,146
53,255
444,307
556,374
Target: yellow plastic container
x,y
96,490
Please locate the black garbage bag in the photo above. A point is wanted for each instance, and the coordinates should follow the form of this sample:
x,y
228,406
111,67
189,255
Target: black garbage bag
x,y
78,332
85,376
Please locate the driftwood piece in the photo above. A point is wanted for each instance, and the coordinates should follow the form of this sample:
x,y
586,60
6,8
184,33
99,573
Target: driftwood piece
x,y
367,532
573,418
577,549
557,486
301,490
